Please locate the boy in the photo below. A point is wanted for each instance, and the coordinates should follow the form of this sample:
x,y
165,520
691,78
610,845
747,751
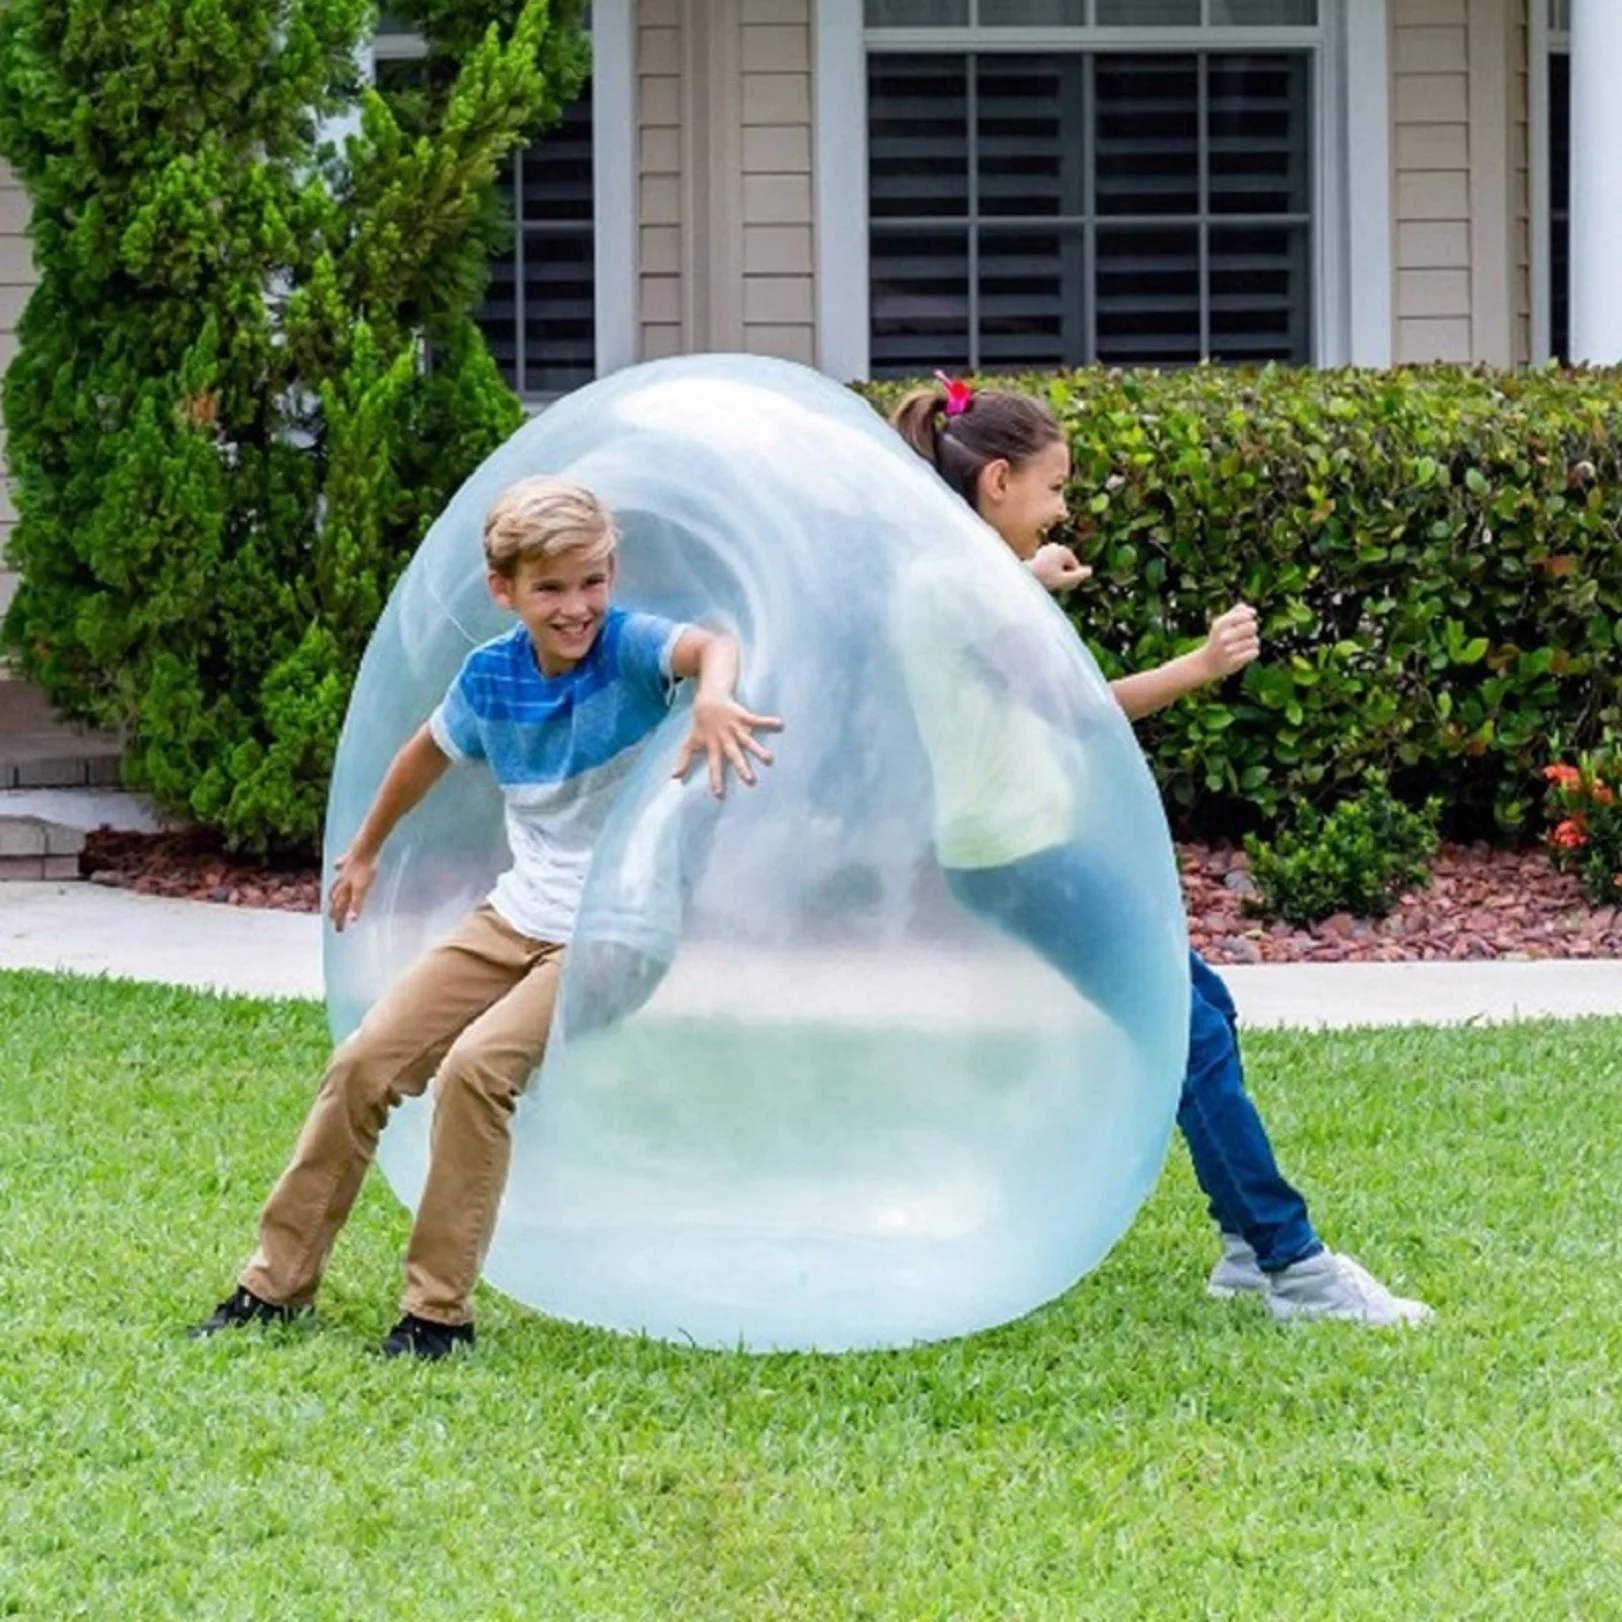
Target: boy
x,y
557,708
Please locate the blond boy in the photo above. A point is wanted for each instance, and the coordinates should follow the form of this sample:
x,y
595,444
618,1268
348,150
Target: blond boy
x,y
557,709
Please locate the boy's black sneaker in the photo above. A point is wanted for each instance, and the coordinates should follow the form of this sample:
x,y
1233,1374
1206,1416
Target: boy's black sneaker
x,y
241,1307
425,1339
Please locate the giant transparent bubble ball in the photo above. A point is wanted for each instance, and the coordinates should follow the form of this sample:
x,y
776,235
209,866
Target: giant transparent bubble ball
x,y
813,1082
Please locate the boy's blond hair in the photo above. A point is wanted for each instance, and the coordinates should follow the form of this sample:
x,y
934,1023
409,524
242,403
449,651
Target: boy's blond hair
x,y
542,518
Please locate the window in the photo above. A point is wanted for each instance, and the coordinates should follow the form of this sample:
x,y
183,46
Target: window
x,y
539,312
1103,194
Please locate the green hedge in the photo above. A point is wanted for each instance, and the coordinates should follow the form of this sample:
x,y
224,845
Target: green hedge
x,y
1435,555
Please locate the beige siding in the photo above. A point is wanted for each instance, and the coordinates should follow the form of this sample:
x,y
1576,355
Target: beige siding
x,y
1430,59
775,104
1460,180
1492,257
16,279
659,176
1520,178
725,193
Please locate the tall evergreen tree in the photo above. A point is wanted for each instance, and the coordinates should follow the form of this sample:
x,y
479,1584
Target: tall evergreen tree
x,y
224,438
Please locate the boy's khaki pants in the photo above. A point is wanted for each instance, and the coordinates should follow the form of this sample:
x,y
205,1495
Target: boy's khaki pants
x,y
475,1008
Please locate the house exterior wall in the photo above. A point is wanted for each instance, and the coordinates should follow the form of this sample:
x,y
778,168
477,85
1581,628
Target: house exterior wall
x,y
1430,113
1460,180
660,160
725,177
779,288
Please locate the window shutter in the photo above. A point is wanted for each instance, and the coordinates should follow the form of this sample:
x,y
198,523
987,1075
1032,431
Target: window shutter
x,y
1035,210
1260,271
540,312
1030,118
918,192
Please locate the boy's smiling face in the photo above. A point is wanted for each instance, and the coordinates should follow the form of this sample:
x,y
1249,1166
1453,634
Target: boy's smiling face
x,y
562,603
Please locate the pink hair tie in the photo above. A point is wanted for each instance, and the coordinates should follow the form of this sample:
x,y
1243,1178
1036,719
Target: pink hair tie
x,y
959,396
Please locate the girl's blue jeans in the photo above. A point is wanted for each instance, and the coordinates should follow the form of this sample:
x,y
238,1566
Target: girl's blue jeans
x,y
1045,902
1233,1158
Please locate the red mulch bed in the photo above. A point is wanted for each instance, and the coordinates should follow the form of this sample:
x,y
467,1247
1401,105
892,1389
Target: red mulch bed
x,y
195,867
1481,903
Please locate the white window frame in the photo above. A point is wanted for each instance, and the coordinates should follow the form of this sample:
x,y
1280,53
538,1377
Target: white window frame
x,y
1352,276
1544,40
613,159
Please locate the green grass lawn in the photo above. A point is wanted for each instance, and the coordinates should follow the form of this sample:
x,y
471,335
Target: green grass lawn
x,y
1132,1451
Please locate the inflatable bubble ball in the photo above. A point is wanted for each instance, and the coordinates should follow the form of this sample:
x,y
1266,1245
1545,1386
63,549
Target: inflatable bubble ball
x,y
883,1050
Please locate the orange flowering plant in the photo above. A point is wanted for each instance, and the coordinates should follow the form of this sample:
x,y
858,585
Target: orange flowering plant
x,y
1585,815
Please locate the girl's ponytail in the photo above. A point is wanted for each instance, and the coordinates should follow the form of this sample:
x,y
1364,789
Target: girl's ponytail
x,y
917,419
958,431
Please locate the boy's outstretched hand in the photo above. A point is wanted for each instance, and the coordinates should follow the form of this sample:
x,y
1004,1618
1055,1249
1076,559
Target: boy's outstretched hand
x,y
1234,642
351,885
723,730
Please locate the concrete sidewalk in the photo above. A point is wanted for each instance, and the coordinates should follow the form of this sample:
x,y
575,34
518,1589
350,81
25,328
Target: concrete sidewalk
x,y
86,929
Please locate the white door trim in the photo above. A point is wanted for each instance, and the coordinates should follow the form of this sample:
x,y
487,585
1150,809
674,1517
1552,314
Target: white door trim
x,y
839,135
613,161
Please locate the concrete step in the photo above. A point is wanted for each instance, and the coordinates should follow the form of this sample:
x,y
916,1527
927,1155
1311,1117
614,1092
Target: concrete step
x,y
42,831
32,848
39,750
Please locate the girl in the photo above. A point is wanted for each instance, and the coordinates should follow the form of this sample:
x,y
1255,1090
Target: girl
x,y
1006,456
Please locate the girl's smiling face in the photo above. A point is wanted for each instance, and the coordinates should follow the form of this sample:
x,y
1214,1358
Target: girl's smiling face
x,y
1023,502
